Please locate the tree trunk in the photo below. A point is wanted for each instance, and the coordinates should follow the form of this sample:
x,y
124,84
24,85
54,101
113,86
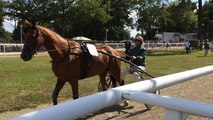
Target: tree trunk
x,y
199,31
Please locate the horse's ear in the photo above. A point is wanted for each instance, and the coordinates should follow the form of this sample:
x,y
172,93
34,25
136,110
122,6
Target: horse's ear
x,y
28,23
33,22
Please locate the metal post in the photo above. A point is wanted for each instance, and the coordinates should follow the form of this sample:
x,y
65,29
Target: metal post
x,y
21,32
106,36
4,49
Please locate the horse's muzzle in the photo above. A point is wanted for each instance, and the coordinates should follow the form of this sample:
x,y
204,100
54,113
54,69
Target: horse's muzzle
x,y
26,57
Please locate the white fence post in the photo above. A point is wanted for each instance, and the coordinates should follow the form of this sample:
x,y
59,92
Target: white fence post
x,y
4,49
174,115
180,106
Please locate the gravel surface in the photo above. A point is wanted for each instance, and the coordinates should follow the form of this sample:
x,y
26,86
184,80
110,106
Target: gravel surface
x,y
199,89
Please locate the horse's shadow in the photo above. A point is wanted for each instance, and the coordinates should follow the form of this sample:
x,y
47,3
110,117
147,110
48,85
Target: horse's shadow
x,y
115,108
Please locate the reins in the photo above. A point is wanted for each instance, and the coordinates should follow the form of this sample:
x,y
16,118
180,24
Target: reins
x,y
72,53
66,53
116,57
53,50
126,61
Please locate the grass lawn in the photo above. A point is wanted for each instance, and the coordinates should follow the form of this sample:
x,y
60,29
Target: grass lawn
x,y
29,84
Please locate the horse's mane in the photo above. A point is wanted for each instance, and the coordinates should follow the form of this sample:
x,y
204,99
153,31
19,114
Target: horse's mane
x,y
50,32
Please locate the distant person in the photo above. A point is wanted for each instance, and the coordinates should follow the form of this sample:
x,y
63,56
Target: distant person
x,y
137,56
187,47
211,47
206,47
167,46
127,46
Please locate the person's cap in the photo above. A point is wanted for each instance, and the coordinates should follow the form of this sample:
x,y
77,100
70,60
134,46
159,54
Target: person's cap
x,y
139,38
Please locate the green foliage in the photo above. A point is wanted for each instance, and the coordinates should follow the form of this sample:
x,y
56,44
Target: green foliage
x,y
72,18
182,17
120,17
4,36
88,18
1,13
91,18
208,20
195,43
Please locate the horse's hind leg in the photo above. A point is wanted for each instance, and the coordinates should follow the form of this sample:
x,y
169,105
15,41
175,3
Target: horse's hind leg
x,y
115,74
102,77
58,87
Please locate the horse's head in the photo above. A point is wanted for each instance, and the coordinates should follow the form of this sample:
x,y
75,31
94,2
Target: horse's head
x,y
33,40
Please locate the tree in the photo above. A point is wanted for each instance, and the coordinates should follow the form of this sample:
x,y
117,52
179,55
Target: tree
x,y
200,14
4,36
50,13
152,16
88,18
159,16
1,13
183,17
119,13
207,20
72,18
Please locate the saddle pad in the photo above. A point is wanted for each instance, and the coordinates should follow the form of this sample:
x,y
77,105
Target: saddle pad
x,y
92,49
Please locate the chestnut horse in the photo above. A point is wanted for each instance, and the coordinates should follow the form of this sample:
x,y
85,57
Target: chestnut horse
x,y
70,62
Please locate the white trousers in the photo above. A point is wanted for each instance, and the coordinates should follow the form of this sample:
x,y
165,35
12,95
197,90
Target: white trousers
x,y
130,70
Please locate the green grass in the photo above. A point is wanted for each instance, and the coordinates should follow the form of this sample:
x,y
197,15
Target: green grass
x,y
29,84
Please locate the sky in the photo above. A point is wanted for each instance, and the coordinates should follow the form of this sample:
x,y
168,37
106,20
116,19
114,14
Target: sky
x,y
9,25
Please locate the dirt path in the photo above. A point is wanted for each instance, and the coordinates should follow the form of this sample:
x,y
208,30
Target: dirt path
x,y
199,89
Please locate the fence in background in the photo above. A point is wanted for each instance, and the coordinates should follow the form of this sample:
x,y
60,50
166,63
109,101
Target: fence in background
x,y
9,48
176,109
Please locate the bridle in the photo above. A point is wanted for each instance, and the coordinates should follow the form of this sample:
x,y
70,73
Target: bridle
x,y
34,47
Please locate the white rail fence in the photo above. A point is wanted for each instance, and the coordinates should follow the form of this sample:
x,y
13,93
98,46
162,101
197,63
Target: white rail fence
x,y
177,110
10,48
15,48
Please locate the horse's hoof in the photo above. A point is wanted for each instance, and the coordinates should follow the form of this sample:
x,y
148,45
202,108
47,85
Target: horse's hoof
x,y
149,107
126,103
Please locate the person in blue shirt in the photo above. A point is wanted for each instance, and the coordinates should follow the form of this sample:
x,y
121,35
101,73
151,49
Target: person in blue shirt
x,y
187,47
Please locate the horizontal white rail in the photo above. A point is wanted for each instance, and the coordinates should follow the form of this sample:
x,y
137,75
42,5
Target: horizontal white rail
x,y
73,109
8,44
183,105
85,105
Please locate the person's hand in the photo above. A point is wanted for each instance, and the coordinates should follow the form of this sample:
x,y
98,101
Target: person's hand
x,y
133,57
136,57
139,57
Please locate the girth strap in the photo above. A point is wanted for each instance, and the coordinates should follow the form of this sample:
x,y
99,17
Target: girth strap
x,y
88,60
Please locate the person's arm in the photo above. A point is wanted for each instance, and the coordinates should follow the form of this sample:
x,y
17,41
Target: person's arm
x,y
142,55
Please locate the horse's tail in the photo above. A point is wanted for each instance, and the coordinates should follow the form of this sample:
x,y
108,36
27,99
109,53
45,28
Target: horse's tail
x,y
114,84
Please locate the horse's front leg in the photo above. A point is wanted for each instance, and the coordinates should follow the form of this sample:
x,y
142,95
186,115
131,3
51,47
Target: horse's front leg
x,y
74,86
58,87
